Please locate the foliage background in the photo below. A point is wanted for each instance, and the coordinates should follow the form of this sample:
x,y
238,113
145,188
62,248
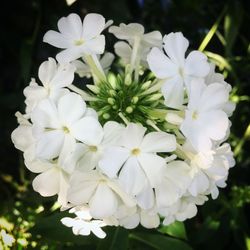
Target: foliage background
x,y
220,28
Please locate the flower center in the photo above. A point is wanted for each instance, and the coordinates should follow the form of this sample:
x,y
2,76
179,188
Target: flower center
x,y
195,115
135,151
79,42
181,72
93,148
65,130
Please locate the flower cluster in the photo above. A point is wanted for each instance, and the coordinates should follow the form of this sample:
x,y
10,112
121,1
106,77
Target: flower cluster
x,y
141,144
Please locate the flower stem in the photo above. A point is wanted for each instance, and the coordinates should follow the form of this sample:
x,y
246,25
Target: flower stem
x,y
95,67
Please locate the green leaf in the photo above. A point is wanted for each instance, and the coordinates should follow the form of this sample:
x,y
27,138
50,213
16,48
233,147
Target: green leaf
x,y
176,229
116,239
160,242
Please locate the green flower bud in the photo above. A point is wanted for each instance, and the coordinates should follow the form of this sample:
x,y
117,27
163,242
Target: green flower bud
x,y
146,85
106,116
135,99
93,88
129,109
111,100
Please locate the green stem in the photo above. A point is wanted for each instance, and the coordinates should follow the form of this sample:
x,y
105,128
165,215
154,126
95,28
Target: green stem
x,y
82,93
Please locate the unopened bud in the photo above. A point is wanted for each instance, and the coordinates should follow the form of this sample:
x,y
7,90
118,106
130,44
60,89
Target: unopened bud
x,y
112,92
111,100
93,88
174,118
112,80
106,116
129,110
135,99
155,97
128,79
146,85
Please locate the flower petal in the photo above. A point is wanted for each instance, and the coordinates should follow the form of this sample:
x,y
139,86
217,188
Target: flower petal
x,y
93,25
57,39
158,142
71,26
47,183
132,177
175,45
71,108
160,64
173,91
132,136
153,166
196,64
87,130
112,161
103,203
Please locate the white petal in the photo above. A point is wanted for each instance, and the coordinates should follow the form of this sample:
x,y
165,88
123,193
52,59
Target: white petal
x,y
94,46
153,38
112,161
70,54
87,130
199,184
132,177
158,142
112,133
123,50
22,137
132,136
71,108
50,144
64,76
175,45
148,220
38,166
71,26
173,91
215,124
160,64
103,203
153,166
45,115
82,187
146,199
47,71
214,96
47,183
93,25
196,64
56,39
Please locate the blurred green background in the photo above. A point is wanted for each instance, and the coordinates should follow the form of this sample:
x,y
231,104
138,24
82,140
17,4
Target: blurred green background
x,y
219,28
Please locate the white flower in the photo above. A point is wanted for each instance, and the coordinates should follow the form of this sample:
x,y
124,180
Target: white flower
x,y
78,38
82,223
209,169
175,181
139,42
54,78
184,208
100,193
205,120
86,155
57,125
176,70
83,69
213,77
135,158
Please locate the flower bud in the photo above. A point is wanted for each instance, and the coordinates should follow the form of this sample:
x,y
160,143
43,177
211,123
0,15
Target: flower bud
x,y
174,118
106,116
135,99
155,97
129,109
93,88
146,85
111,100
